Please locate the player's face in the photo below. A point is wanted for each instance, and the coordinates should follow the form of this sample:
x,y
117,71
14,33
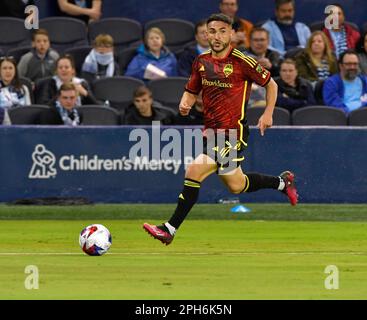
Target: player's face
x,y
285,13
41,43
68,99
317,45
219,36
143,103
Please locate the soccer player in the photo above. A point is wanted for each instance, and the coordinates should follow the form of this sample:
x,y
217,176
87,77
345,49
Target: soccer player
x,y
225,76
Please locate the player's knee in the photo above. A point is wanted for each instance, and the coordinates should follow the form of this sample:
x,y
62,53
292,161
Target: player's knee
x,y
193,172
235,188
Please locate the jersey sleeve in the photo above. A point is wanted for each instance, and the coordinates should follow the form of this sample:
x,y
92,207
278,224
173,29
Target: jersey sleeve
x,y
194,84
255,72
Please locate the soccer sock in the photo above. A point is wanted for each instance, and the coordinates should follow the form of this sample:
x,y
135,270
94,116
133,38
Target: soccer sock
x,y
256,181
186,200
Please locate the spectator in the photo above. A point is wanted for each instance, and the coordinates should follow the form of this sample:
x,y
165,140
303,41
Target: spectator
x,y
40,62
65,73
242,27
293,91
189,54
342,36
259,49
144,109
14,8
195,116
64,111
317,61
100,63
86,10
346,90
362,54
153,59
12,92
284,32
4,117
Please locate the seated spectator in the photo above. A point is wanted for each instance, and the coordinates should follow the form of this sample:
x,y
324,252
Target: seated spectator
x,y
65,73
12,92
189,54
346,90
14,8
144,109
293,91
342,36
64,111
153,59
40,62
259,49
195,117
284,32
317,61
362,54
4,117
100,63
86,10
242,27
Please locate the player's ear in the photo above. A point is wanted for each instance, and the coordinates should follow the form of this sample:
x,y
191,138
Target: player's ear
x,y
232,33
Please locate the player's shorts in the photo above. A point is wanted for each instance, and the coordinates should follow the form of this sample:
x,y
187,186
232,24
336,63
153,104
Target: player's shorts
x,y
226,152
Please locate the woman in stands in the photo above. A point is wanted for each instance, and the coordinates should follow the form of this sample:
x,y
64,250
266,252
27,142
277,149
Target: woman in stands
x,y
12,92
153,59
362,53
317,61
46,93
293,91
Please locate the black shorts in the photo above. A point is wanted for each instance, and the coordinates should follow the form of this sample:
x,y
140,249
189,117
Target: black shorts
x,y
228,153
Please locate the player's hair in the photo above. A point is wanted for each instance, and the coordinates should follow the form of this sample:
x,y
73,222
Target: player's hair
x,y
103,40
38,32
328,54
258,29
142,91
154,30
279,3
349,51
220,17
199,24
66,87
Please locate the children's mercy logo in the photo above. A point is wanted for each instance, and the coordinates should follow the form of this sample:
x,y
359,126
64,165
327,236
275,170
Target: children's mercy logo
x,y
43,163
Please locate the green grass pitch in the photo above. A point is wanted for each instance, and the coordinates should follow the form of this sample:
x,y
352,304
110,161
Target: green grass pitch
x,y
273,252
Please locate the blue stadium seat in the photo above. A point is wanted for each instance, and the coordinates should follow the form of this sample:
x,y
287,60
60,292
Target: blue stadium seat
x,y
13,34
319,116
281,116
27,115
98,115
358,117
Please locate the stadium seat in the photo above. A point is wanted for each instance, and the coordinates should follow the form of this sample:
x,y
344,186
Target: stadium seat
x,y
13,34
27,115
98,115
117,90
79,54
319,116
320,25
318,92
38,87
178,32
28,83
292,53
17,53
281,116
124,31
168,91
65,32
358,117
124,57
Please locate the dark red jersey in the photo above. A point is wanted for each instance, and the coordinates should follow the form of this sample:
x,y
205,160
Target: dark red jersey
x,y
226,85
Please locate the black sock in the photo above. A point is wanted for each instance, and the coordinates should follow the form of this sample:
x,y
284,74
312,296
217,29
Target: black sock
x,y
186,200
256,181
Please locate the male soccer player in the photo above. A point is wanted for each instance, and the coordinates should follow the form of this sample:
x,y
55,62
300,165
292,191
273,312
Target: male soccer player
x,y
225,76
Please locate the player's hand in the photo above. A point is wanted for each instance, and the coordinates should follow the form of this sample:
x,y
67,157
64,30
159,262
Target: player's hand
x,y
265,122
184,109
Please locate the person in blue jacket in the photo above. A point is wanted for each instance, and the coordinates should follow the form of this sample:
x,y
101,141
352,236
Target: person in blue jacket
x,y
153,59
346,90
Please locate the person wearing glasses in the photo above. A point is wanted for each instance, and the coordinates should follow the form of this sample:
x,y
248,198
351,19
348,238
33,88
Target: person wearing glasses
x,y
100,62
12,92
346,90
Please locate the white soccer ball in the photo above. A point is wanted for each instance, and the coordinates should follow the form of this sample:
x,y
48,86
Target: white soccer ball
x,y
95,240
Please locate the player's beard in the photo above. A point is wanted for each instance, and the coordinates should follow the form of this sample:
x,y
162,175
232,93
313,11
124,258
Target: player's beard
x,y
225,45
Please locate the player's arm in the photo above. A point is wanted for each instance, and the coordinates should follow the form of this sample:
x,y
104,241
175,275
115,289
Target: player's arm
x,y
266,120
187,101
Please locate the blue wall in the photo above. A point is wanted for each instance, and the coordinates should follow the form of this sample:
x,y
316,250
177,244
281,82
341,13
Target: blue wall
x,y
194,10
330,165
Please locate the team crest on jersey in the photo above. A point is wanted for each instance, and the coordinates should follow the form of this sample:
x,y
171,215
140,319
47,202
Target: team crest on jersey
x,y
202,68
259,69
228,70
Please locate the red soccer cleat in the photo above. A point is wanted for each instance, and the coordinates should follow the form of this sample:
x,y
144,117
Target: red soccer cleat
x,y
159,234
290,187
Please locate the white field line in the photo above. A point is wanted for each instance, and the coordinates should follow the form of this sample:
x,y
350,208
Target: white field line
x,y
346,253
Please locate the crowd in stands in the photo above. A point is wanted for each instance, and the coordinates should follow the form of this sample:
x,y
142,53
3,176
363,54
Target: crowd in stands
x,y
323,66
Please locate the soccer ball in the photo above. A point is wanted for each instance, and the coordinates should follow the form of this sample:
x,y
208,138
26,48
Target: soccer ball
x,y
95,240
